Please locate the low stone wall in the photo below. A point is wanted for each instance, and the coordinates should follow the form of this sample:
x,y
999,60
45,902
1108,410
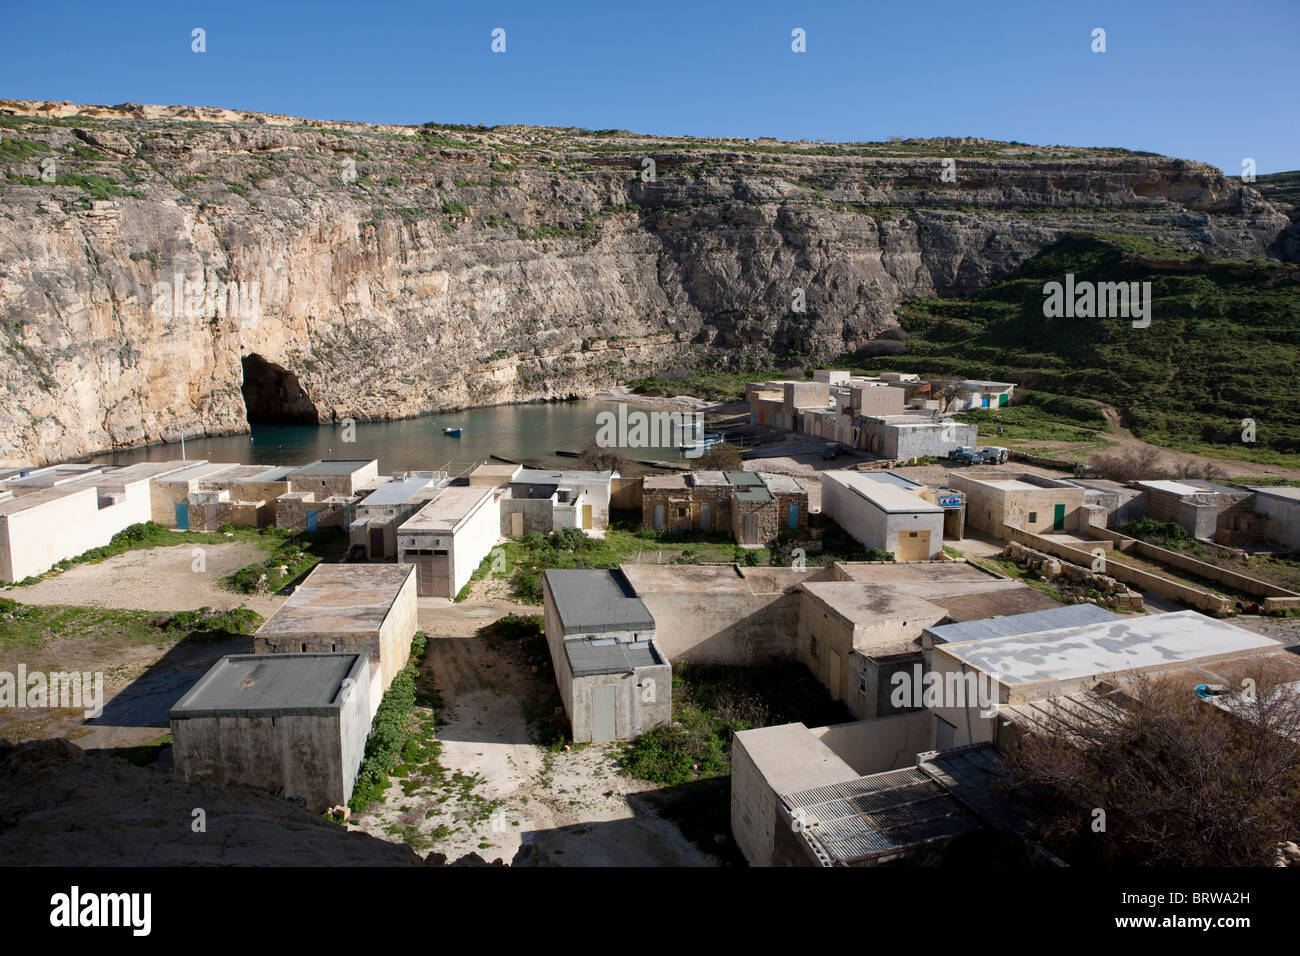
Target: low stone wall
x,y
1143,580
1202,569
1053,569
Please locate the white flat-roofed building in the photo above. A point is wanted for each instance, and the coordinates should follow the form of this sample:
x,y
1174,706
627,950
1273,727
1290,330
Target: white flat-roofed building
x,y
449,537
1016,668
878,514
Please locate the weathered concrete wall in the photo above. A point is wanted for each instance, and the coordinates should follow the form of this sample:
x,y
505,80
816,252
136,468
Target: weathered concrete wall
x,y
988,508
625,494
314,758
536,514
753,808
1283,519
742,628
398,630
473,541
633,715
885,743
873,528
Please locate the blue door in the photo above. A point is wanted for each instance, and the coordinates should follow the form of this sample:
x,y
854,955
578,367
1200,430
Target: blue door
x,y
753,418
311,520
793,520
182,516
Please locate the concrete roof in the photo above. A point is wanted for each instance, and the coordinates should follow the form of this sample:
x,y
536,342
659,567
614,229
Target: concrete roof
x,y
965,591
340,599
700,578
871,604
196,470
709,478
589,658
333,466
116,479
790,758
1281,491
540,476
889,478
1065,615
659,482
271,684
500,471
35,499
885,497
1013,484
1125,644
252,473
785,484
1009,597
1172,487
398,492
445,512
595,601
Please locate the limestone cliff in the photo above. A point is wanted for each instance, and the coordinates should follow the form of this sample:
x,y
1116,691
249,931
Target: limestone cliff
x,y
149,255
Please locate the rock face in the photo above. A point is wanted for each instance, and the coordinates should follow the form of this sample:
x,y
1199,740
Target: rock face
x,y
153,259
59,807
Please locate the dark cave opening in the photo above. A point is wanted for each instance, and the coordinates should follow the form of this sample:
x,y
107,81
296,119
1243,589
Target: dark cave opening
x,y
272,395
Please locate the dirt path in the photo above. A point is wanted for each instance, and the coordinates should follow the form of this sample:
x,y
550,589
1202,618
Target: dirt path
x,y
155,579
571,806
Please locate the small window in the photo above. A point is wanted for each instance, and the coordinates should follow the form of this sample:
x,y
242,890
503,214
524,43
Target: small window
x,y
304,648
1033,517
911,534
812,646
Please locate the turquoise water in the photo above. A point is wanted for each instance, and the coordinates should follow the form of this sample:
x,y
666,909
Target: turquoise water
x,y
530,433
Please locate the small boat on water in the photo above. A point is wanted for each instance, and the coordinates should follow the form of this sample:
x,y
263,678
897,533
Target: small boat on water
x,y
693,444
451,432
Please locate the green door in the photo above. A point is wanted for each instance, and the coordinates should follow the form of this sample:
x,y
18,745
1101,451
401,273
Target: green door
x,y
1058,518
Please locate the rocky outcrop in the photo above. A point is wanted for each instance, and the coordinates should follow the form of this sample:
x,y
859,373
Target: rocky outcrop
x,y
61,807
147,252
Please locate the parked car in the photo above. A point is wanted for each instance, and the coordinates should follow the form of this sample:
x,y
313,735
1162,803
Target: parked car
x,y
995,454
831,449
965,455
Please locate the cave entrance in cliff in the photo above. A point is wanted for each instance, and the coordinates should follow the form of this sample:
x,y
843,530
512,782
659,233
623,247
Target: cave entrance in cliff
x,y
272,395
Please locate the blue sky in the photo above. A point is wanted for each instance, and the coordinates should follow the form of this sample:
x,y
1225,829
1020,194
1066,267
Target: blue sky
x,y
1208,81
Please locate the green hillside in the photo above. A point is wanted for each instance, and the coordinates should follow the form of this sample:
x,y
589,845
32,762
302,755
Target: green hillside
x,y
1223,345
1282,190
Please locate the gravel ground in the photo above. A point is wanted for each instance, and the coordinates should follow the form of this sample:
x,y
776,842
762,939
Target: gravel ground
x,y
155,579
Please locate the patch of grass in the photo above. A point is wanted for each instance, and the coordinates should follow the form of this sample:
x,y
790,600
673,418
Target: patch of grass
x,y
391,733
240,620
26,625
293,555
16,149
712,386
1221,347
711,703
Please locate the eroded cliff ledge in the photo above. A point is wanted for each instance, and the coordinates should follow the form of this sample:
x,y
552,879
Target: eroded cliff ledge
x,y
386,271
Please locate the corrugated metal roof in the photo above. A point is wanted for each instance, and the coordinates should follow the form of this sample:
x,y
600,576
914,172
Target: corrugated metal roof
x,y
879,815
589,658
1069,615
